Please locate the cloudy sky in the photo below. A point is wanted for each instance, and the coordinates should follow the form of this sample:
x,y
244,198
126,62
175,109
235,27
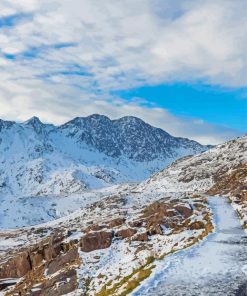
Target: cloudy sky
x,y
179,65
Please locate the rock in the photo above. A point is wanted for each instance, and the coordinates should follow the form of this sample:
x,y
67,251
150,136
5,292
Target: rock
x,y
142,237
124,233
95,241
61,284
16,267
137,223
184,211
58,258
116,222
95,227
197,225
36,258
58,263
54,247
155,208
154,229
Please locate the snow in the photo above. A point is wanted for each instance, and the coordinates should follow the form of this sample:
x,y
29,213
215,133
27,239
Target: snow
x,y
197,173
49,162
33,210
53,178
216,266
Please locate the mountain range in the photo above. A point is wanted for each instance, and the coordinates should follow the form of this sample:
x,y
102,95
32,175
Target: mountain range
x,y
91,152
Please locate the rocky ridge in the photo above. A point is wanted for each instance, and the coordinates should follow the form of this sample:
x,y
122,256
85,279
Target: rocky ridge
x,y
91,152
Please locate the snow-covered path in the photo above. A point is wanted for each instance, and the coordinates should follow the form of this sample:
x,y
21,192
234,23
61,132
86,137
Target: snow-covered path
x,y
216,266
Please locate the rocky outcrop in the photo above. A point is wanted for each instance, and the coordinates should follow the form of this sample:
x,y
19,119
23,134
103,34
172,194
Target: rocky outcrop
x,y
231,182
184,211
234,184
126,233
116,222
16,267
47,268
197,225
141,237
60,284
95,241
60,261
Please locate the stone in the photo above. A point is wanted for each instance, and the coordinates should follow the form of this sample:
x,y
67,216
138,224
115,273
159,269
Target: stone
x,y
116,222
142,237
184,211
95,241
59,262
155,229
125,233
197,225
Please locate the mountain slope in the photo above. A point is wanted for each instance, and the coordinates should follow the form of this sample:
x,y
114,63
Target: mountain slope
x,y
90,152
200,172
221,171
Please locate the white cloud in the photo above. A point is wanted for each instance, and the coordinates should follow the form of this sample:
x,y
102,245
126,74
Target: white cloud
x,y
44,102
119,45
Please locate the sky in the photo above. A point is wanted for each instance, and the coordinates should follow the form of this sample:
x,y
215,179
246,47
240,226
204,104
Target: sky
x,y
179,65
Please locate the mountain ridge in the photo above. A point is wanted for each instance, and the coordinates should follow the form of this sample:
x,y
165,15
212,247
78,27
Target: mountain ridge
x,y
86,152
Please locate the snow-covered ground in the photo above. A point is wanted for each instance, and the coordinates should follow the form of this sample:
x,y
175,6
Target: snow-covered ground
x,y
17,212
216,266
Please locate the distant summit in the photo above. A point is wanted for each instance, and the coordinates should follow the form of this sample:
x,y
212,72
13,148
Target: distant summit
x,y
86,152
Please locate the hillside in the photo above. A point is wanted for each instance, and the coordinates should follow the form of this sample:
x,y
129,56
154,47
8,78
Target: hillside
x,y
201,172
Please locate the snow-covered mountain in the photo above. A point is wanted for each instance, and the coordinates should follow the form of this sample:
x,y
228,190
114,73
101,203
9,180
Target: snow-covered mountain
x,y
203,172
109,243
86,152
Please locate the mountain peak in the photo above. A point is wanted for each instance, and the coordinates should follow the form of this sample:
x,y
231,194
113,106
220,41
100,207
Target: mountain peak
x,y
131,120
33,121
98,117
38,126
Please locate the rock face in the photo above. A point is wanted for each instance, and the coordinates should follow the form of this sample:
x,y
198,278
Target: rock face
x,y
95,241
184,211
129,136
17,267
47,268
126,233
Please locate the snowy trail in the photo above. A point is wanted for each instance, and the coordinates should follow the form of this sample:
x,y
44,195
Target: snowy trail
x,y
216,266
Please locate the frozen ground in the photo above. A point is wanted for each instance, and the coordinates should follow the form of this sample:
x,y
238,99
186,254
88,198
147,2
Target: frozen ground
x,y
217,266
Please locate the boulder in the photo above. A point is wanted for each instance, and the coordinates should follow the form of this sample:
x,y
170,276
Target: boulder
x,y
184,211
16,267
95,241
154,229
61,261
116,222
142,237
124,233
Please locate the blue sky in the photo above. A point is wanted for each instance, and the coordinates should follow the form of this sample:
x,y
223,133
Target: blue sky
x,y
179,65
213,104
